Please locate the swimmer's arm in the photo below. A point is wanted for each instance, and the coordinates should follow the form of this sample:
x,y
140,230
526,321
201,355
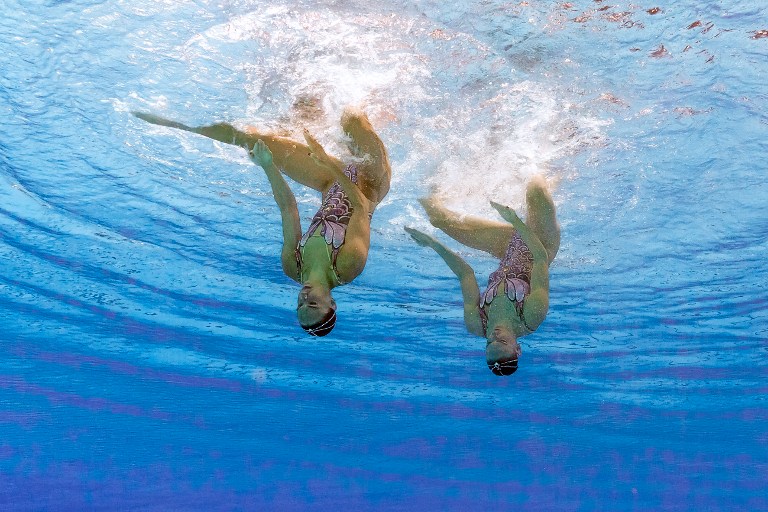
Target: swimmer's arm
x,y
353,255
356,196
529,237
469,289
286,201
537,302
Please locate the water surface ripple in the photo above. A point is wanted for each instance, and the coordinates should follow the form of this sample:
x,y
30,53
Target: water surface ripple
x,y
151,358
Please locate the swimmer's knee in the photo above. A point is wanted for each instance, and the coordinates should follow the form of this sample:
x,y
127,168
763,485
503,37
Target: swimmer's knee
x,y
353,119
537,194
350,113
537,186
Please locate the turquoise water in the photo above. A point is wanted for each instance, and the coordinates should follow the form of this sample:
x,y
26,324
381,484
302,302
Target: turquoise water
x,y
151,359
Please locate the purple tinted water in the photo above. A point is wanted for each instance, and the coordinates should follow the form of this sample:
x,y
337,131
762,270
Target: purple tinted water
x,y
151,359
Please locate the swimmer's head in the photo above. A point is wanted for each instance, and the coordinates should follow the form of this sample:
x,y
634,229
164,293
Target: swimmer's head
x,y
316,310
502,352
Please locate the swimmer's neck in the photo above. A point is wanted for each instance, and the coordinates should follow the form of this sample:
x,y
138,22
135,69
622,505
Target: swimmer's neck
x,y
317,276
504,320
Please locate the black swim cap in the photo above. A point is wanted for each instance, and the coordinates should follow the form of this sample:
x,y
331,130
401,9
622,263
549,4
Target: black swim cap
x,y
324,326
503,368
501,358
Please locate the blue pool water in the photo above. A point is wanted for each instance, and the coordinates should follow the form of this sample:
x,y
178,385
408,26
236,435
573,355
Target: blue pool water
x,y
150,356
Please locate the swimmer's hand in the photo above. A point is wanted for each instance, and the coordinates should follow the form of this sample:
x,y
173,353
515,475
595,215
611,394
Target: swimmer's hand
x,y
420,238
321,158
260,154
528,236
507,213
317,153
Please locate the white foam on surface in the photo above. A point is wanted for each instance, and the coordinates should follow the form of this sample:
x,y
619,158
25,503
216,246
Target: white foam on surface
x,y
458,119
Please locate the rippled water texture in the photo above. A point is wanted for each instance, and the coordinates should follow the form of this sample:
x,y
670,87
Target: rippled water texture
x,y
150,356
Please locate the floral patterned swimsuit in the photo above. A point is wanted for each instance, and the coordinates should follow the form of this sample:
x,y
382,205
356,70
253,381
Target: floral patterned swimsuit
x,y
332,218
515,272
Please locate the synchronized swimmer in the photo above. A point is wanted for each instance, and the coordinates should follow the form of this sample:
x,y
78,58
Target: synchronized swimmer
x,y
516,299
334,248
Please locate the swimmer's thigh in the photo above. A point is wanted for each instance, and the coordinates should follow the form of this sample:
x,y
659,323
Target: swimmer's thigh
x,y
482,234
375,174
294,159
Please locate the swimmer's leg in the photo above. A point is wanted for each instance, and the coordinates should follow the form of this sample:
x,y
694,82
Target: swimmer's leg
x,y
222,132
541,216
486,235
375,175
292,157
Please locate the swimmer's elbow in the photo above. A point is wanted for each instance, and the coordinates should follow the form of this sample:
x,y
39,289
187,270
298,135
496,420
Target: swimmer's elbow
x,y
290,265
535,309
473,322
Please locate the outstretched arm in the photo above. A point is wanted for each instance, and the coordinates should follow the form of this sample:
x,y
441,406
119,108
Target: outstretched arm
x,y
537,302
322,159
262,156
469,288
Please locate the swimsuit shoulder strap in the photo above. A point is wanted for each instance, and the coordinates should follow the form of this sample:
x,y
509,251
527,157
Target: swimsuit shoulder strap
x,y
299,255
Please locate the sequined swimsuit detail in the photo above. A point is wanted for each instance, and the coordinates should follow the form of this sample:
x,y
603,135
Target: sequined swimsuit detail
x,y
515,272
332,218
